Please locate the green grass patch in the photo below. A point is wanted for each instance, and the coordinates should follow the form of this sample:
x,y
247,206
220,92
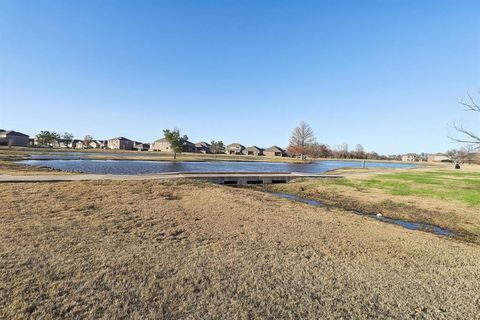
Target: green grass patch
x,y
446,185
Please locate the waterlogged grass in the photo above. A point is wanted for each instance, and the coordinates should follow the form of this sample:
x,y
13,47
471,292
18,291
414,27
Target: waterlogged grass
x,y
446,185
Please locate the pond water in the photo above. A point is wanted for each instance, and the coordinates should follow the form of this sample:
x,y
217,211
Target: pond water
x,y
406,224
145,167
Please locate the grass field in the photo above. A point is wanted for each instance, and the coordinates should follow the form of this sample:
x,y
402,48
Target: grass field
x,y
157,250
435,195
445,185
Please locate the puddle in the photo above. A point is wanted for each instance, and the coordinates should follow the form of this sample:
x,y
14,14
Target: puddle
x,y
406,224
295,198
416,226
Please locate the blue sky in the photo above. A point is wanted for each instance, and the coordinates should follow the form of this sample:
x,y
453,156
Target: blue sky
x,y
387,74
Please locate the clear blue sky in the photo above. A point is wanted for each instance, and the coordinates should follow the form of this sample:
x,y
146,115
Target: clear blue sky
x,y
386,74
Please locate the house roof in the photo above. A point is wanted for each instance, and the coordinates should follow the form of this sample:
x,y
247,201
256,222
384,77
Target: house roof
x,y
412,154
121,138
141,144
235,145
202,144
13,133
274,149
253,148
163,140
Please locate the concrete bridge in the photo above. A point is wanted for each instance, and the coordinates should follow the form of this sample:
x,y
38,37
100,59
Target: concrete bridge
x,y
226,178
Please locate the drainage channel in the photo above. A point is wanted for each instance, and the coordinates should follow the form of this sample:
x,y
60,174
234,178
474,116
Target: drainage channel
x,y
406,224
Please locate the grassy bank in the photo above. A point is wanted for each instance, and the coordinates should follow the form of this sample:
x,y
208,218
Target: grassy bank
x,y
444,185
435,195
11,168
145,249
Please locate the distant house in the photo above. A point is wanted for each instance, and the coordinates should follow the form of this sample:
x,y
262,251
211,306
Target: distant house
x,y
79,144
60,143
253,151
189,147
438,157
98,144
121,143
14,138
94,144
76,144
410,157
274,151
234,148
142,146
474,156
163,145
202,147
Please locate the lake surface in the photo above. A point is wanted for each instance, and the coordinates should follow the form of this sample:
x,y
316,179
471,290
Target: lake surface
x,y
144,167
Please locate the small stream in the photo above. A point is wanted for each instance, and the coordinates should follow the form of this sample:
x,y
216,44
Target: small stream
x,y
406,224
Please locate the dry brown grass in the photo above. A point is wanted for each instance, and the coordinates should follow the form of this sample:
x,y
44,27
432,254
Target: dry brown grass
x,y
16,169
185,250
437,200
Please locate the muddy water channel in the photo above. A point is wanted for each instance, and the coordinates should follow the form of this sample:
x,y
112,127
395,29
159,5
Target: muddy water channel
x,y
406,224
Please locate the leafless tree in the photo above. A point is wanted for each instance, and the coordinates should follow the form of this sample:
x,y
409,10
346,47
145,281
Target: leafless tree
x,y
341,151
87,140
319,150
459,156
359,152
469,137
302,137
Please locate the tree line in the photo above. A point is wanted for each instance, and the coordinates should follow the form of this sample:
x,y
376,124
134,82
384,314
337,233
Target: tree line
x,y
303,144
50,138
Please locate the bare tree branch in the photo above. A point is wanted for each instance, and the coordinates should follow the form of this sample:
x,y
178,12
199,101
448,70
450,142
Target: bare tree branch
x,y
469,136
472,137
472,105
